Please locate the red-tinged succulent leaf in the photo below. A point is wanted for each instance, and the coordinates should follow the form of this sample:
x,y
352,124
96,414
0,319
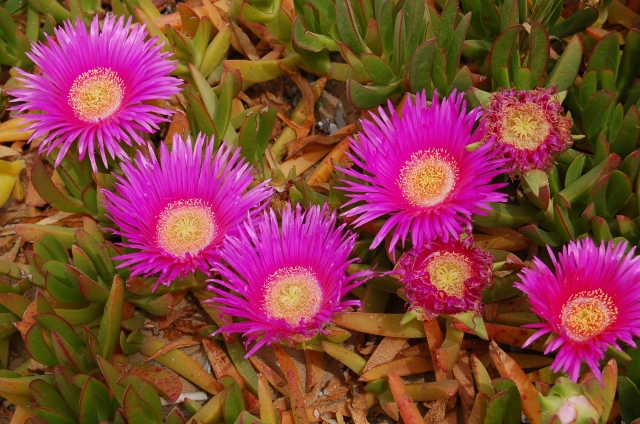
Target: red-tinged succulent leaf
x,y
538,51
611,193
267,410
388,404
157,305
501,51
233,404
111,375
133,409
436,390
293,382
50,192
67,354
347,27
566,68
420,68
272,377
481,376
70,391
92,290
513,405
379,70
109,332
88,410
50,322
454,49
380,324
508,368
514,336
629,63
165,381
596,114
406,407
60,289
344,355
48,397
237,354
402,367
15,303
181,364
38,348
447,353
176,417
606,54
479,411
53,416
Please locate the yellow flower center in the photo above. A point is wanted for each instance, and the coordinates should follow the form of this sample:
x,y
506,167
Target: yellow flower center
x,y
524,126
448,272
427,178
292,293
587,314
96,94
186,226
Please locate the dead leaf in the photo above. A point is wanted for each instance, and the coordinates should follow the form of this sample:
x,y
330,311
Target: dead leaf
x,y
307,94
175,315
191,341
272,377
310,143
315,367
220,362
387,349
466,391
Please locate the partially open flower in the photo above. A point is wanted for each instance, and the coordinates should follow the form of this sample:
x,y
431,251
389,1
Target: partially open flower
x,y
445,278
176,213
590,301
529,128
285,282
93,87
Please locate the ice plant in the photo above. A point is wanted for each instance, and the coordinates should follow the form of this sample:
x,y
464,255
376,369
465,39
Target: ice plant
x,y
417,169
590,301
285,281
529,128
176,213
93,86
445,277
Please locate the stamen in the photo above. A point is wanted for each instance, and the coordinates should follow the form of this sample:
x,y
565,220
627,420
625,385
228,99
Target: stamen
x,y
292,293
96,94
428,177
449,271
587,314
186,226
524,126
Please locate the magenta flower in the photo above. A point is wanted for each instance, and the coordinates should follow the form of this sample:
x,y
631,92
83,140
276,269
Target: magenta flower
x,y
529,128
176,213
418,171
93,88
285,282
445,278
590,301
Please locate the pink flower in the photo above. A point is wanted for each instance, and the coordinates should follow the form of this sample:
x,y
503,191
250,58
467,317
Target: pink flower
x,y
590,301
285,282
445,278
93,88
419,171
529,128
176,213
